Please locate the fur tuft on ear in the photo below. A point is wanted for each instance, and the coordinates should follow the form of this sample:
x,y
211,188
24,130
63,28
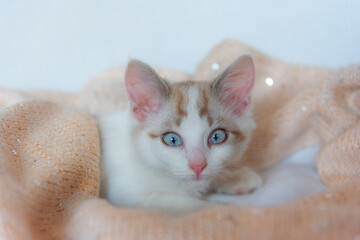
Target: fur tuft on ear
x,y
233,86
146,89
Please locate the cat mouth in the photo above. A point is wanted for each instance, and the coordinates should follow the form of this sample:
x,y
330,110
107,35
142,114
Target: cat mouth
x,y
195,178
199,178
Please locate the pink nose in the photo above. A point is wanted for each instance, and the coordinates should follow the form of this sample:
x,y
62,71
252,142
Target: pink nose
x,y
198,168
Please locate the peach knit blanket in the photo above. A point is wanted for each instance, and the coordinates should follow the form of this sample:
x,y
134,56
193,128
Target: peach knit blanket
x,y
50,153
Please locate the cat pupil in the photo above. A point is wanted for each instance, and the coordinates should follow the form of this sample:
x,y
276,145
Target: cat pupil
x,y
173,140
215,136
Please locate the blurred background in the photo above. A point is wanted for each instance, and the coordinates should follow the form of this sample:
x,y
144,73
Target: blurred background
x,y
60,45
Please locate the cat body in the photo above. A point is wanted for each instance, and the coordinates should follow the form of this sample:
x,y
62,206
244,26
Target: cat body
x,y
176,142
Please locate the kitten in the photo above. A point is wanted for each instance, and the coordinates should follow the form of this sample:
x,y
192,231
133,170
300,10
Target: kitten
x,y
177,142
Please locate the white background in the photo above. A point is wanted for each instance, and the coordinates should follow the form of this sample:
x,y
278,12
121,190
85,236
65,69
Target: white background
x,y
59,45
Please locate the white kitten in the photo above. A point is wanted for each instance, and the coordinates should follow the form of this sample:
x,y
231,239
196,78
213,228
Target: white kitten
x,y
178,141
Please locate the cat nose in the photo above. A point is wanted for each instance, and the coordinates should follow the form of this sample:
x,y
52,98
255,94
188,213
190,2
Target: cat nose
x,y
198,168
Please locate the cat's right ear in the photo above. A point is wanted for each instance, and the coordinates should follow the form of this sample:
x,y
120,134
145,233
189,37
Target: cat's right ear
x,y
146,89
233,87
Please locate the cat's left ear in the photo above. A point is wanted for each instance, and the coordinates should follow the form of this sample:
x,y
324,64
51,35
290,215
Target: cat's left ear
x,y
146,89
233,86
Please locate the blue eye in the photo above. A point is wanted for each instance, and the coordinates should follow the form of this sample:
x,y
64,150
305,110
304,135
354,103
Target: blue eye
x,y
217,136
172,139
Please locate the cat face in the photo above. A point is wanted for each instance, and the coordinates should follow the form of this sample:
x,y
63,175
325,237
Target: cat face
x,y
192,130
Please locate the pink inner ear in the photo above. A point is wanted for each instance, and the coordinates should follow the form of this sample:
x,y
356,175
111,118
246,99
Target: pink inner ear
x,y
144,89
236,83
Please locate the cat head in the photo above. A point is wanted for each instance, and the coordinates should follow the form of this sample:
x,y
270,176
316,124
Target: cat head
x,y
192,130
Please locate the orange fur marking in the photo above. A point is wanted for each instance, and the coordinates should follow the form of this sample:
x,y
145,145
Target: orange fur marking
x,y
180,100
203,104
152,135
238,135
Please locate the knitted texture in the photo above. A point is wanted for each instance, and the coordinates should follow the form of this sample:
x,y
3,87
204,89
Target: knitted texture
x,y
50,153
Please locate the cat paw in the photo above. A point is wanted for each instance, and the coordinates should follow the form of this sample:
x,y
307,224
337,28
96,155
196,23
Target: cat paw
x,y
248,182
